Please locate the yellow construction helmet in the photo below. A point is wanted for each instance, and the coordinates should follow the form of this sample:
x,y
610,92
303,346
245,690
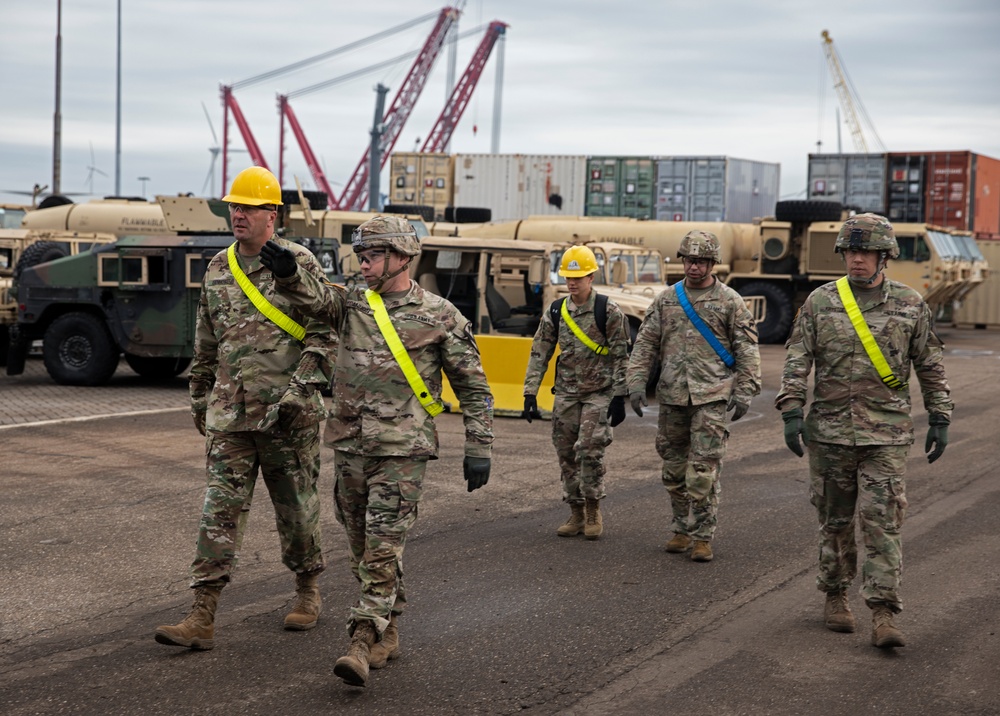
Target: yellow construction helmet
x,y
577,261
255,186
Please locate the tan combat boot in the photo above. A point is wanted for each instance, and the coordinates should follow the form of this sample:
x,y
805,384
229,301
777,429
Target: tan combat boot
x,y
308,603
353,668
702,551
594,526
678,543
574,525
837,612
884,633
388,648
197,631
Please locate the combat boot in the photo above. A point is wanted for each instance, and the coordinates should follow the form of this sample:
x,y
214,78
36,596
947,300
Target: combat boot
x,y
594,526
679,543
197,631
308,603
353,668
388,648
837,612
574,525
702,551
884,633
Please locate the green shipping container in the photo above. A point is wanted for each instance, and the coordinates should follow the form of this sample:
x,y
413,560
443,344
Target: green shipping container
x,y
621,186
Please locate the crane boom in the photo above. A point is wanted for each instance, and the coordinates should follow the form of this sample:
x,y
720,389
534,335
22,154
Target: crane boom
x,y
846,94
319,177
356,192
229,104
440,134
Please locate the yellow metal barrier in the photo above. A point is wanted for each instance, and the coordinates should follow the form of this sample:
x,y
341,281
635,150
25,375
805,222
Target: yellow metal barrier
x,y
505,360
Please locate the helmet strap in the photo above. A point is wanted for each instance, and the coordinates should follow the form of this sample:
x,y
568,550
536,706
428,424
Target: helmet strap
x,y
879,267
386,274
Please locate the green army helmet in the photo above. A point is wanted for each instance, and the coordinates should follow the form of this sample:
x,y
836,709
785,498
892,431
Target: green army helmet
x,y
700,244
386,232
867,232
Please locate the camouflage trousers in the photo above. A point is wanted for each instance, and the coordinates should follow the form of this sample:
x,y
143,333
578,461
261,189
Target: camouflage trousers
x,y
376,501
580,433
848,484
691,439
289,462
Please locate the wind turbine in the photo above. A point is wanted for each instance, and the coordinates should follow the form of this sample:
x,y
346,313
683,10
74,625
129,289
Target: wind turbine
x,y
215,150
92,169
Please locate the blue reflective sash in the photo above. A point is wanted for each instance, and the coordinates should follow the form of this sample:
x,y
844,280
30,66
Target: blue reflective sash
x,y
703,329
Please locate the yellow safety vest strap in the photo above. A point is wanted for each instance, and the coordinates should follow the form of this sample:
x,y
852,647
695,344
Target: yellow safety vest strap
x,y
263,305
578,332
403,359
865,334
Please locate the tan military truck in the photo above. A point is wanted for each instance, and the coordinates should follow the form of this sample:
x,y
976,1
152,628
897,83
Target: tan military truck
x,y
774,263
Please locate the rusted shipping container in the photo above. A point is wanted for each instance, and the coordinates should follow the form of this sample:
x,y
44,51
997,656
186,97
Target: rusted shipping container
x,y
981,308
516,186
715,189
423,180
855,180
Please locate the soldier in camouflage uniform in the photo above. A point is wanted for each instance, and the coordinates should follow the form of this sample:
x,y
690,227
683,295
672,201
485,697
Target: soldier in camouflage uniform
x,y
696,387
254,394
859,429
382,433
589,389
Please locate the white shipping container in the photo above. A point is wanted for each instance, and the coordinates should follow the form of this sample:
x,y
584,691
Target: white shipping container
x,y
516,186
715,189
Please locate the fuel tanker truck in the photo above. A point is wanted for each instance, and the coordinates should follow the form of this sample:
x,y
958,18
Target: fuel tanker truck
x,y
774,263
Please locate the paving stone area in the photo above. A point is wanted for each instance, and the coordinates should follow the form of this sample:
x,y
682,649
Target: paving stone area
x,y
34,396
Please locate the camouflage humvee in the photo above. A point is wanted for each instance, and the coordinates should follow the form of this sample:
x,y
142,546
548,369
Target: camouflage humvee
x,y
137,296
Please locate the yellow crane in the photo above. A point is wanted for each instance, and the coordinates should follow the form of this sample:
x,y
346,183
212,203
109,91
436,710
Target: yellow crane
x,y
849,99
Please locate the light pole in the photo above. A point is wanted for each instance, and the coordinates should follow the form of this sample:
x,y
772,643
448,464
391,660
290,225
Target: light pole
x,y
57,119
118,108
144,180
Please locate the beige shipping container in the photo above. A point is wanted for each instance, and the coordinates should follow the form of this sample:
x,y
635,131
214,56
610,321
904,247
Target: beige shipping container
x,y
981,308
422,180
516,186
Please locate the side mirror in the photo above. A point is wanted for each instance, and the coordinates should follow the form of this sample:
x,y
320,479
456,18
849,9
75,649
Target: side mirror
x,y
538,268
619,272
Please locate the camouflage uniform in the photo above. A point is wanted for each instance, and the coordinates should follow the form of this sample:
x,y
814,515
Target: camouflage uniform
x,y
693,390
382,435
584,385
242,367
858,430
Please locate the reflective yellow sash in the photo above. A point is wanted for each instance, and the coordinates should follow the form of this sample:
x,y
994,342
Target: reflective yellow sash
x,y
865,334
578,332
263,305
403,359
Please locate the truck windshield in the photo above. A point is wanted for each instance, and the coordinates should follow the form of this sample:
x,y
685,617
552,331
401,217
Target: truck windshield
x,y
944,244
11,218
970,249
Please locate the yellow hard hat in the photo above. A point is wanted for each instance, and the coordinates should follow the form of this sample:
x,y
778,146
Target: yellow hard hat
x,y
255,186
577,261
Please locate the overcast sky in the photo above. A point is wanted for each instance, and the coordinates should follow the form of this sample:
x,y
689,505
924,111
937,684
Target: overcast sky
x,y
587,77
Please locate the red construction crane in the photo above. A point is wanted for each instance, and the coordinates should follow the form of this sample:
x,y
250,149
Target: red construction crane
x,y
319,177
355,194
229,104
440,135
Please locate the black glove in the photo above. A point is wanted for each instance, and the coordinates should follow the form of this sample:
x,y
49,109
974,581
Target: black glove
x,y
937,436
530,409
793,428
616,411
280,260
739,406
199,419
477,471
638,399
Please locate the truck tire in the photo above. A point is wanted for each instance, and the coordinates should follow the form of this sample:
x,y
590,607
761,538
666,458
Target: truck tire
x,y
4,344
158,367
468,214
39,252
807,211
777,322
425,212
17,351
78,350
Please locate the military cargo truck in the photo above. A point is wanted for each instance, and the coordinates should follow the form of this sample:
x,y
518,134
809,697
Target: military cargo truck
x,y
137,296
773,263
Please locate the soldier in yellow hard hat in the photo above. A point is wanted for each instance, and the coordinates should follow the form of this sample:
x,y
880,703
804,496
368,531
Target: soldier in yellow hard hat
x,y
592,334
258,365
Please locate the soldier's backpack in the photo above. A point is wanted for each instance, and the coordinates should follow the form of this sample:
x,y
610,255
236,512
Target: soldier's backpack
x,y
600,312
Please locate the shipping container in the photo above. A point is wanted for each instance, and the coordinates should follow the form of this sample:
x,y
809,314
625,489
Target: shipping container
x,y
715,189
422,180
854,180
981,308
905,188
516,186
621,186
986,197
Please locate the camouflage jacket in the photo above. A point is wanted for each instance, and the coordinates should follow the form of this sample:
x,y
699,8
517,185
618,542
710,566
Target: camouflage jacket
x,y
691,372
244,362
374,411
579,370
851,405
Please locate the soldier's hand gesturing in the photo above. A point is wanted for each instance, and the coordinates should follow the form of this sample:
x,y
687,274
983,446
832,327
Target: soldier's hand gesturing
x,y
477,471
280,260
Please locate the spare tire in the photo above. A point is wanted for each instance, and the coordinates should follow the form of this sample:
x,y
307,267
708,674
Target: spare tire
x,y
39,252
425,212
54,200
807,211
777,323
471,215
